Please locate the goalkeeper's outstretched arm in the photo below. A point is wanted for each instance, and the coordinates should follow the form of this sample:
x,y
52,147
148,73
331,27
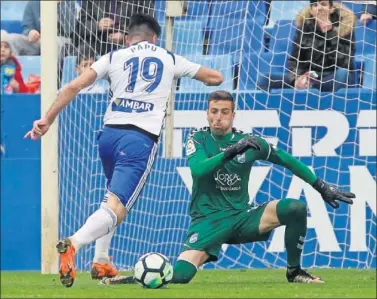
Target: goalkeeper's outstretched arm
x,y
281,157
329,194
65,96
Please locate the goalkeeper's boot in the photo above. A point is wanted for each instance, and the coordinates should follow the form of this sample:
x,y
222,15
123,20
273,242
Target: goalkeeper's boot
x,y
100,271
299,275
67,269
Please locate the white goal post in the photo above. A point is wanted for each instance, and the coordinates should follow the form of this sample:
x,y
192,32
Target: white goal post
x,y
173,9
49,144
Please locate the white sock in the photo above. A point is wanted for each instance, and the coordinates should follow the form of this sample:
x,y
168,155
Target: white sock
x,y
102,248
100,223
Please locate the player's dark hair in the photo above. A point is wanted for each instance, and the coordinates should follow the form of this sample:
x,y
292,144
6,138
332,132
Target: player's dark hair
x,y
221,95
143,25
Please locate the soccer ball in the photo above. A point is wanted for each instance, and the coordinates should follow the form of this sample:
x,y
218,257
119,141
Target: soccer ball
x,y
153,270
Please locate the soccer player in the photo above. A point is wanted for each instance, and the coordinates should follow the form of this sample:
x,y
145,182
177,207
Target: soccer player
x,y
141,77
220,159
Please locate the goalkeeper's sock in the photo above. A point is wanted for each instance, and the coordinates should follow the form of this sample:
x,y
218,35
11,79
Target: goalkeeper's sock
x,y
293,214
100,223
183,272
101,255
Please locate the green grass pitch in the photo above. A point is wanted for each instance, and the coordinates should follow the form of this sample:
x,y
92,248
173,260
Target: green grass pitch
x,y
340,283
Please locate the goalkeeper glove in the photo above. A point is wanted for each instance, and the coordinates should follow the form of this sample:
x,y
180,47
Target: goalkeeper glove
x,y
331,195
242,146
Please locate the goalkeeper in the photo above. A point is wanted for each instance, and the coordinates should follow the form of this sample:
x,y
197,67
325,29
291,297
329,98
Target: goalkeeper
x,y
220,159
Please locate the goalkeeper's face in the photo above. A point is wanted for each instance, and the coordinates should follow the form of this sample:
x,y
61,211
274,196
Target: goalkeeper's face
x,y
220,116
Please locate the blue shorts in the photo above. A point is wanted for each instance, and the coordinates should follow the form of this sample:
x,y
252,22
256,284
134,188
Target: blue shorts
x,y
127,158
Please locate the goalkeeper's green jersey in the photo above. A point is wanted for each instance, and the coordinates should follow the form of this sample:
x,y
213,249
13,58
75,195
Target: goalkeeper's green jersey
x,y
220,185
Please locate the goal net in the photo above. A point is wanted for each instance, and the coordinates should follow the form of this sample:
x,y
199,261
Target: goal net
x,y
328,122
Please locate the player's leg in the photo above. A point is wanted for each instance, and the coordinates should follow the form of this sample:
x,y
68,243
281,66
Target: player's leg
x,y
202,245
97,225
132,164
100,223
135,158
293,214
187,265
184,271
101,263
102,246
65,247
130,170
89,232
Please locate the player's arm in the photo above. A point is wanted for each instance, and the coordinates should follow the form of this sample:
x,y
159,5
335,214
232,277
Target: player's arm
x,y
209,77
69,92
199,162
329,194
186,68
66,95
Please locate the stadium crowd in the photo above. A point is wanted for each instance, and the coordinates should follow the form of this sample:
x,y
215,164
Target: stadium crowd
x,y
322,56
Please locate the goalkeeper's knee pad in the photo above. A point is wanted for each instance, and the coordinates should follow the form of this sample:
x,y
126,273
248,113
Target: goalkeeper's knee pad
x,y
289,210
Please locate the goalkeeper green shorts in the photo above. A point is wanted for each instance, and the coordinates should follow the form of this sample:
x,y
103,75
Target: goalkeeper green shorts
x,y
209,233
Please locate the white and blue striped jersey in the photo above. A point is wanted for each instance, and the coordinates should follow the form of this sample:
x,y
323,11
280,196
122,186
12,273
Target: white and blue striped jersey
x,y
141,78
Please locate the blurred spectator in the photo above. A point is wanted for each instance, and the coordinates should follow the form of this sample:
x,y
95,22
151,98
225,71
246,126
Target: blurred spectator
x,y
33,83
11,77
103,24
84,61
28,43
323,49
370,12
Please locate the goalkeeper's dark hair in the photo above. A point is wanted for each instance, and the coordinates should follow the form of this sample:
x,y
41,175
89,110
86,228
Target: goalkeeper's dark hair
x,y
144,26
221,95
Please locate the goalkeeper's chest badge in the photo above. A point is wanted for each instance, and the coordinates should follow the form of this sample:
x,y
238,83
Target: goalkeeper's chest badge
x,y
241,158
193,238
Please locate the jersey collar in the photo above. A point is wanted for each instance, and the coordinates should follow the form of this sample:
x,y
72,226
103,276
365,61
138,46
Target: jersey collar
x,y
142,41
226,138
